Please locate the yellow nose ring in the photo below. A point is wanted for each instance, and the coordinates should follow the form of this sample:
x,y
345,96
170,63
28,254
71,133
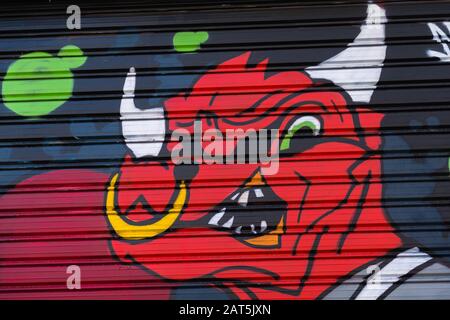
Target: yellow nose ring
x,y
129,231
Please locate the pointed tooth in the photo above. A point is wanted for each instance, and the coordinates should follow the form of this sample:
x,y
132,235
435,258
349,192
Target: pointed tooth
x,y
253,228
235,196
229,223
239,230
243,199
259,193
263,226
215,218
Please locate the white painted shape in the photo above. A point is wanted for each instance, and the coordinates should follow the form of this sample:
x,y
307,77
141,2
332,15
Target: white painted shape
x,y
215,219
229,223
259,193
403,263
357,69
143,130
243,199
263,226
441,37
444,57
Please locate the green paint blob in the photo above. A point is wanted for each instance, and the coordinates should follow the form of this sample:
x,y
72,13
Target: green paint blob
x,y
38,83
189,41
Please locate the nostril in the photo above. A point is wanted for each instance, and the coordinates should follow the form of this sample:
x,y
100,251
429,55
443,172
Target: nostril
x,y
140,211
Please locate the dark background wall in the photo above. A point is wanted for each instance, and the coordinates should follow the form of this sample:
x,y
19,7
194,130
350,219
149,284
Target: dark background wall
x,y
84,132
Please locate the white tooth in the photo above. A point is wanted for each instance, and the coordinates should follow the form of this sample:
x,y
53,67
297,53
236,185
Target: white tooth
x,y
259,193
253,228
229,223
263,225
243,199
238,230
215,219
235,196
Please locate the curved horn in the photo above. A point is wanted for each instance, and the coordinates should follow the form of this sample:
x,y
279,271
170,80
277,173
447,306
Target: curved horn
x,y
135,231
357,69
143,130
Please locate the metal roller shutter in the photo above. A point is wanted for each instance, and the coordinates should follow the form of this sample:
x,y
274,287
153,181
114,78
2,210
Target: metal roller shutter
x,y
223,150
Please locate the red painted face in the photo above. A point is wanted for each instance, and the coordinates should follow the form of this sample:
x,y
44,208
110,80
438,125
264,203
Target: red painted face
x,y
292,234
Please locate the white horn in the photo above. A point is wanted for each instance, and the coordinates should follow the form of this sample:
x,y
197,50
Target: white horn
x,y
143,130
357,69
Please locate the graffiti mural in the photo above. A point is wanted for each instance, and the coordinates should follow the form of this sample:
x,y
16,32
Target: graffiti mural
x,y
133,179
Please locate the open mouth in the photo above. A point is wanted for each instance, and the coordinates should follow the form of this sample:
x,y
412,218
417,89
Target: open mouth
x,y
253,214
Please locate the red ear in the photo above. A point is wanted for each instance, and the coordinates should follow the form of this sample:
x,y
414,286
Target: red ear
x,y
370,124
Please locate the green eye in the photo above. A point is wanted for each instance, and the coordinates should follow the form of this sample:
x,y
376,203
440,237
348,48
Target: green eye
x,y
306,122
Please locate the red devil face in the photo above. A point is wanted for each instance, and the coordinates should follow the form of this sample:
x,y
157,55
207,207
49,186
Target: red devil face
x,y
270,236
292,234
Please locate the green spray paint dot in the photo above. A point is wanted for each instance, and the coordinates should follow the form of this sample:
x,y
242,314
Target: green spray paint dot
x,y
38,83
189,41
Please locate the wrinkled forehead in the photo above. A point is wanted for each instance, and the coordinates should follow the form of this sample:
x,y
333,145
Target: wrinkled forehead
x,y
240,95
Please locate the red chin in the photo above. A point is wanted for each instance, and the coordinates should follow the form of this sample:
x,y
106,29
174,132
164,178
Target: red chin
x,y
292,270
323,240
185,255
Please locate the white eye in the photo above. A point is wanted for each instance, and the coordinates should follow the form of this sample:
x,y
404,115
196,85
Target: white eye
x,y
310,122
